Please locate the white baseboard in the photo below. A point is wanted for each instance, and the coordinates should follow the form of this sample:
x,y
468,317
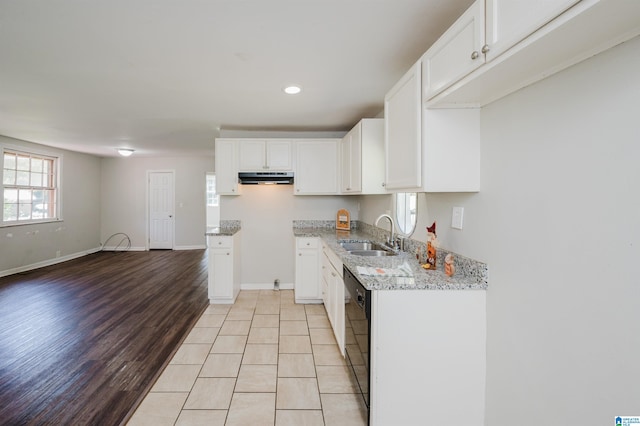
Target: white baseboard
x,y
48,262
265,286
197,247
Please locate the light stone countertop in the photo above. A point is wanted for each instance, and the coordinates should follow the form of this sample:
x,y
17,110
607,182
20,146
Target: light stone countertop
x,y
226,228
470,274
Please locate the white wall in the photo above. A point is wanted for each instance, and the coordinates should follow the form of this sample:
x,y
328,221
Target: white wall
x,y
124,198
24,246
558,222
267,213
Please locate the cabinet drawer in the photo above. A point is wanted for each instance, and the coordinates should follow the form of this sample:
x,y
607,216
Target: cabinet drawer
x,y
220,242
307,242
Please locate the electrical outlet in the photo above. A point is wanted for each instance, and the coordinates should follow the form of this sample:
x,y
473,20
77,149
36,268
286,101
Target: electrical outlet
x,y
457,217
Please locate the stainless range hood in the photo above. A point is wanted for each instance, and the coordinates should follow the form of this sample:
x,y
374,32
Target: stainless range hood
x,y
265,178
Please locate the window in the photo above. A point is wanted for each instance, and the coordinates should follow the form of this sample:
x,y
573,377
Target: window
x,y
212,196
29,187
406,211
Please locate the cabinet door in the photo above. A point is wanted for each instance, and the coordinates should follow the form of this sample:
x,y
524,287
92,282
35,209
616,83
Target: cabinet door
x,y
307,285
279,156
510,21
252,155
456,53
221,274
352,160
226,167
316,167
403,132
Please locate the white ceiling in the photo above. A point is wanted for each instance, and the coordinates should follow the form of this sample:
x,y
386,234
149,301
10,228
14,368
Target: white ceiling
x,y
163,76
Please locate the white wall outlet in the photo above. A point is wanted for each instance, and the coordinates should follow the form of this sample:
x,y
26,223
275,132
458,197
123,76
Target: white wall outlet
x,y
457,217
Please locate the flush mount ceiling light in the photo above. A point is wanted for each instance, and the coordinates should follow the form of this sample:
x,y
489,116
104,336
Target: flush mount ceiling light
x,y
292,90
125,152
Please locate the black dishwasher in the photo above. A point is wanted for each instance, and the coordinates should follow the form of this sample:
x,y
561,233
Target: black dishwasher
x,y
358,331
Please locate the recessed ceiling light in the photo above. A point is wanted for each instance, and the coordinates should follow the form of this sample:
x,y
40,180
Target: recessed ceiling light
x,y
125,152
292,90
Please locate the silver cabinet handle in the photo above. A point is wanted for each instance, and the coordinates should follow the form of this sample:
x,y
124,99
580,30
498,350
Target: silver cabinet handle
x,y
475,55
485,48
299,254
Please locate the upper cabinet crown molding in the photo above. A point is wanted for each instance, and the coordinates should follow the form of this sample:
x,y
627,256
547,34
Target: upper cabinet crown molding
x,y
524,42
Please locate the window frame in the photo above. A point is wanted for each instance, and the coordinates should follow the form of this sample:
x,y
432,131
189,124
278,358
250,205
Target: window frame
x,y
407,209
214,194
56,159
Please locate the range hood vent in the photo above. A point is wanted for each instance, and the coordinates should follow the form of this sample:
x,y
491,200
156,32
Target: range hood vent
x,y
265,178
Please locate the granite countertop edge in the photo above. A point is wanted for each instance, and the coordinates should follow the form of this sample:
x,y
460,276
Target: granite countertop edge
x,y
421,280
227,228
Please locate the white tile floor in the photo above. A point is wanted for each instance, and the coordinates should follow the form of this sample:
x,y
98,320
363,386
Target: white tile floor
x,y
262,361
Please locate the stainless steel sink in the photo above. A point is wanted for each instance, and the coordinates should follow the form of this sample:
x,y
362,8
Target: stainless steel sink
x,y
376,253
367,248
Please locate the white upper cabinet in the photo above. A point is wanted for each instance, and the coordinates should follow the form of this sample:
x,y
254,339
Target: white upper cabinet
x,y
265,155
363,158
226,166
524,42
403,132
317,170
510,21
456,53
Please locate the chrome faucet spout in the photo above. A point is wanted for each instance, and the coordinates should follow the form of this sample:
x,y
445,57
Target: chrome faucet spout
x,y
392,238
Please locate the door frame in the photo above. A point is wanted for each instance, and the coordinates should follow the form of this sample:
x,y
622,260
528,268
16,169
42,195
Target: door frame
x,y
148,208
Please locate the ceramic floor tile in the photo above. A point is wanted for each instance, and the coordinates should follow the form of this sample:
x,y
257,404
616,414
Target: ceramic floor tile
x,y
240,314
296,365
217,309
292,313
235,328
257,378
315,309
327,355
261,320
336,379
322,336
294,328
212,320
202,418
221,365
344,410
229,344
192,353
297,394
268,308
299,417
260,354
176,378
158,409
252,409
263,335
202,335
318,321
210,394
295,345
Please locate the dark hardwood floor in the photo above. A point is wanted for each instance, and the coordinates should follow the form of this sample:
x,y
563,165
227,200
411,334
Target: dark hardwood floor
x,y
82,341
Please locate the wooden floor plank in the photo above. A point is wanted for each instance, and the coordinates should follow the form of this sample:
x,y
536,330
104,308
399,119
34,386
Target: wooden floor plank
x,y
82,341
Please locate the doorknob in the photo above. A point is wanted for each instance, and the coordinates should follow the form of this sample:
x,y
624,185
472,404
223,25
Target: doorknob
x,y
170,216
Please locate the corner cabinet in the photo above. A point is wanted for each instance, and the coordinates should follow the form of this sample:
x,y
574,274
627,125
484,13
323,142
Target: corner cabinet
x,y
307,276
224,268
226,167
316,167
265,155
363,158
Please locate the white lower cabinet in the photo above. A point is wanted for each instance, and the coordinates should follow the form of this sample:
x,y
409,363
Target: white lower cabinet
x,y
428,357
307,277
334,300
224,268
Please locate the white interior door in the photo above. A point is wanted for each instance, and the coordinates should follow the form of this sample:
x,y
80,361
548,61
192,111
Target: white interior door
x,y
161,202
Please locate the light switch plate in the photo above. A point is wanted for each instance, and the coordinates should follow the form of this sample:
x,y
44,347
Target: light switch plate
x,y
457,217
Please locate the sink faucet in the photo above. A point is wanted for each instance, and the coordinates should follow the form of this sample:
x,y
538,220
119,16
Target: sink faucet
x,y
392,239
